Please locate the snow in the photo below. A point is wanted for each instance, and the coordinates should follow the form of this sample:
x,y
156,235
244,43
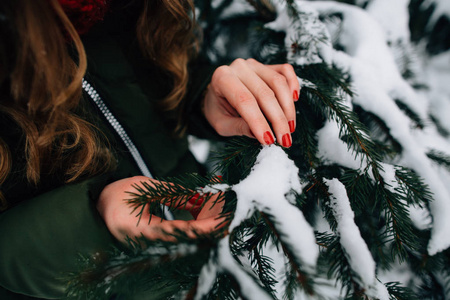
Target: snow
x,y
357,252
307,31
200,148
436,75
224,262
420,217
206,279
236,7
376,80
441,7
381,292
267,188
393,17
333,150
273,177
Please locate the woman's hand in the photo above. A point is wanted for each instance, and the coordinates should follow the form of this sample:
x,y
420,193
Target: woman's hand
x,y
244,97
122,223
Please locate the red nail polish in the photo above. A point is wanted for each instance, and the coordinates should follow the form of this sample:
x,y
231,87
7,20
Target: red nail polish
x,y
268,138
291,126
286,140
196,199
295,95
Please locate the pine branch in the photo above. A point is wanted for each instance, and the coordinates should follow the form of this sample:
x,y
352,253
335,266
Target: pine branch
x,y
303,279
397,218
380,131
264,270
350,125
412,188
225,288
236,158
336,262
398,224
173,193
324,95
410,113
305,147
441,158
169,267
399,292
264,8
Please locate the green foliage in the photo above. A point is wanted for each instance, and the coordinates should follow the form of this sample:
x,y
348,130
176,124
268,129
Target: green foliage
x,y
381,204
175,195
156,269
434,34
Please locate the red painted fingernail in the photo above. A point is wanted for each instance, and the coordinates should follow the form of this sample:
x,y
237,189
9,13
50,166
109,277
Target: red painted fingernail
x,y
268,138
286,140
196,199
295,95
291,126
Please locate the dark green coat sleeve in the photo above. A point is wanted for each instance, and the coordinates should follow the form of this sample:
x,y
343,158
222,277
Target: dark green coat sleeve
x,y
41,239
200,74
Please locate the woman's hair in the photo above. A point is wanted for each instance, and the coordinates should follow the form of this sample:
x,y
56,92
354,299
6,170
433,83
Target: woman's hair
x,y
44,82
165,33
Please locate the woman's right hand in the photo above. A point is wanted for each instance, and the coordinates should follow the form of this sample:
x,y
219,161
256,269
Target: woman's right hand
x,y
122,222
252,99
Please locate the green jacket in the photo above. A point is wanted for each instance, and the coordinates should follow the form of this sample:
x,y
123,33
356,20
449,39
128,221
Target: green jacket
x,y
42,236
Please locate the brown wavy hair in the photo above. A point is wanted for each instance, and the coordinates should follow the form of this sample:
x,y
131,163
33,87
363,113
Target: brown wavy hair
x,y
170,49
44,83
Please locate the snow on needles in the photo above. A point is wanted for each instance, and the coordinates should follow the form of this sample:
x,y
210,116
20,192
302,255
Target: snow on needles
x,y
273,177
224,262
266,189
377,83
356,250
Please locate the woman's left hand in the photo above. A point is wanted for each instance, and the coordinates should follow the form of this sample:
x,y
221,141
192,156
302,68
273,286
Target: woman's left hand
x,y
244,97
122,222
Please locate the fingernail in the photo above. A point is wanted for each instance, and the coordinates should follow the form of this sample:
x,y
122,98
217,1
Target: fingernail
x,y
196,199
292,126
268,138
286,140
295,95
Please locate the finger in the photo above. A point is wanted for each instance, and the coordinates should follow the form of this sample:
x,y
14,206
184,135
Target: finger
x,y
168,230
278,83
235,126
288,72
212,208
230,87
187,202
266,99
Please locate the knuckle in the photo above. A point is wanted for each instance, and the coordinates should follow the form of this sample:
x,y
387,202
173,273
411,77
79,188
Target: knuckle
x,y
266,94
287,68
281,119
279,79
238,62
243,98
252,61
220,72
218,82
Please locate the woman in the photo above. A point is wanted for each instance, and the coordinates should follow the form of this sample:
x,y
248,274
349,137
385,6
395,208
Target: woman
x,y
64,171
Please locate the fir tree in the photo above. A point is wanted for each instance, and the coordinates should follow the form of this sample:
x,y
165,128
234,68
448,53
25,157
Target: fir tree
x,y
360,197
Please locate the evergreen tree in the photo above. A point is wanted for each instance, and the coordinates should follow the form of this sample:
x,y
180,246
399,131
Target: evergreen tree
x,y
357,208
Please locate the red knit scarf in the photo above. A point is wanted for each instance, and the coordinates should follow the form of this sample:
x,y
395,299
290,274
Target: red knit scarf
x,y
84,13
